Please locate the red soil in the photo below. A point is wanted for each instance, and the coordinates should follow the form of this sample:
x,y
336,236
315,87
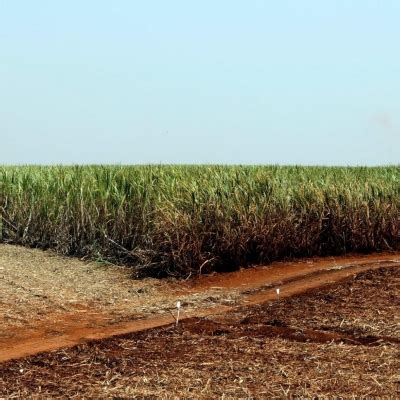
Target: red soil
x,y
256,285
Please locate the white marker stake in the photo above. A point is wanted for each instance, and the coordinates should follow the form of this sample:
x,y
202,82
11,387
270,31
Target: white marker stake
x,y
277,292
178,306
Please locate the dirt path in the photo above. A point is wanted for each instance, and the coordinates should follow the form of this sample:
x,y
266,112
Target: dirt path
x,y
339,339
227,292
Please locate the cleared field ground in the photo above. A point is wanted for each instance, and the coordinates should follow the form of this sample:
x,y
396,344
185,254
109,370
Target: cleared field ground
x,y
334,331
44,295
50,301
340,340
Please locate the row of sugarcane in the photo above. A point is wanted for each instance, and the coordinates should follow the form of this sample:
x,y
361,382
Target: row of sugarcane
x,y
182,220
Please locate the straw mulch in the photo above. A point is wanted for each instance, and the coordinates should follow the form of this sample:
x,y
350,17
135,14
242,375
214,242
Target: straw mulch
x,y
340,341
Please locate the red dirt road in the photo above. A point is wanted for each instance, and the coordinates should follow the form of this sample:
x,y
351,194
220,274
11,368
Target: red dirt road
x,y
255,285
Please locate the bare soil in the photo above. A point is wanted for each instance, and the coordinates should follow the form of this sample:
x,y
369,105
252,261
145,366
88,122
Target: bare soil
x,y
335,331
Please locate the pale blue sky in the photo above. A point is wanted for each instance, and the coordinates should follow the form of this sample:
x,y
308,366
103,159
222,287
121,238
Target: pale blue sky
x,y
305,82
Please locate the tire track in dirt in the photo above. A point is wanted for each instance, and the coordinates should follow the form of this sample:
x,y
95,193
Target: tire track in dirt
x,y
279,329
257,285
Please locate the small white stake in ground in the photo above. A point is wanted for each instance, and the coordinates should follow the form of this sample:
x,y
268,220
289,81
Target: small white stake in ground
x,y
277,292
178,306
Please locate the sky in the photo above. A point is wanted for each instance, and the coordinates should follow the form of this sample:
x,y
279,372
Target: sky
x,y
221,82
